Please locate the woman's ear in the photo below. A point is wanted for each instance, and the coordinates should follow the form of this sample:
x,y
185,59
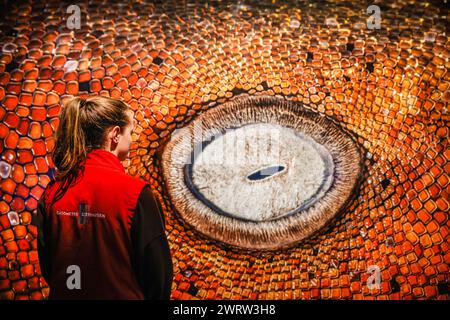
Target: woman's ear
x,y
114,134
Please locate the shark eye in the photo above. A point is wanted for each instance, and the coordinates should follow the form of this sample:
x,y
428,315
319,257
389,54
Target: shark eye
x,y
260,172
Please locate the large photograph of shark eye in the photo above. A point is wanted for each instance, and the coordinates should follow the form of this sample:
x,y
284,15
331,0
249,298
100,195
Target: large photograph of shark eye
x,y
260,172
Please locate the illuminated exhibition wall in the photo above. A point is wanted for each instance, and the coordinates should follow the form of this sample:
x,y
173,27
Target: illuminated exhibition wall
x,y
350,202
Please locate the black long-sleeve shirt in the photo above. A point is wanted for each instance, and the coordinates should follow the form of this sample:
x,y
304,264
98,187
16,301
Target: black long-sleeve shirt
x,y
151,259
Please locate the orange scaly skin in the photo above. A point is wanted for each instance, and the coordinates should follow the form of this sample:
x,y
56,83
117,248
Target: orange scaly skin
x,y
170,61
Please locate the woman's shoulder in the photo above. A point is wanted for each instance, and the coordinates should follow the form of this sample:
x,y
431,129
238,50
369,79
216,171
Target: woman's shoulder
x,y
129,181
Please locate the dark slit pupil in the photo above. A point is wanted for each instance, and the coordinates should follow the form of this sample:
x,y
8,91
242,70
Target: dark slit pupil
x,y
265,173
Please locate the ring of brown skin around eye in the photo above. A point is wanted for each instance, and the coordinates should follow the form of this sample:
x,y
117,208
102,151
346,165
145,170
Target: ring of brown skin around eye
x,y
337,148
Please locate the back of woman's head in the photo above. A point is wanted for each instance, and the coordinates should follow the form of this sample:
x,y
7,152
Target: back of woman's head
x,y
83,127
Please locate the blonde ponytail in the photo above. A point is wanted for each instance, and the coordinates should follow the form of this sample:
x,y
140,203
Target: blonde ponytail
x,y
82,128
70,148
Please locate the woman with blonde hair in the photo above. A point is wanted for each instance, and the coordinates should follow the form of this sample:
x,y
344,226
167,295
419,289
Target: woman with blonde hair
x,y
101,233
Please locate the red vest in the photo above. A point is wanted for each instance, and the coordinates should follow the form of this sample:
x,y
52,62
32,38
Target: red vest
x,y
97,240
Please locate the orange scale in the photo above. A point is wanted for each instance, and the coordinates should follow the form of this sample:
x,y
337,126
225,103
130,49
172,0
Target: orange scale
x,y
444,267
31,180
30,168
111,69
442,204
26,99
29,85
39,148
45,60
36,36
70,76
115,93
49,160
430,206
430,271
11,120
62,49
98,73
35,130
47,129
41,165
132,58
434,191
74,54
32,74
84,76
136,92
54,110
116,77
419,228
33,284
45,85
142,71
122,83
17,173
86,54
33,256
424,195
440,217
416,204
4,221
134,104
31,204
11,140
104,93
27,271
107,82
22,111
17,204
8,186
4,78
36,192
45,73
424,216
120,60
425,241
430,291
4,208
72,88
52,99
12,248
57,74
23,127
6,58
44,180
126,95
27,64
58,61
24,156
435,260
38,114
25,143
22,257
39,98
17,75
96,62
9,155
133,78
19,287
107,60
11,102
447,154
59,87
54,123
95,85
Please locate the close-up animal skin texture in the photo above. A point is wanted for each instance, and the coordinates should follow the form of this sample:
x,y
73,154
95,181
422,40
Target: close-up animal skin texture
x,y
378,230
